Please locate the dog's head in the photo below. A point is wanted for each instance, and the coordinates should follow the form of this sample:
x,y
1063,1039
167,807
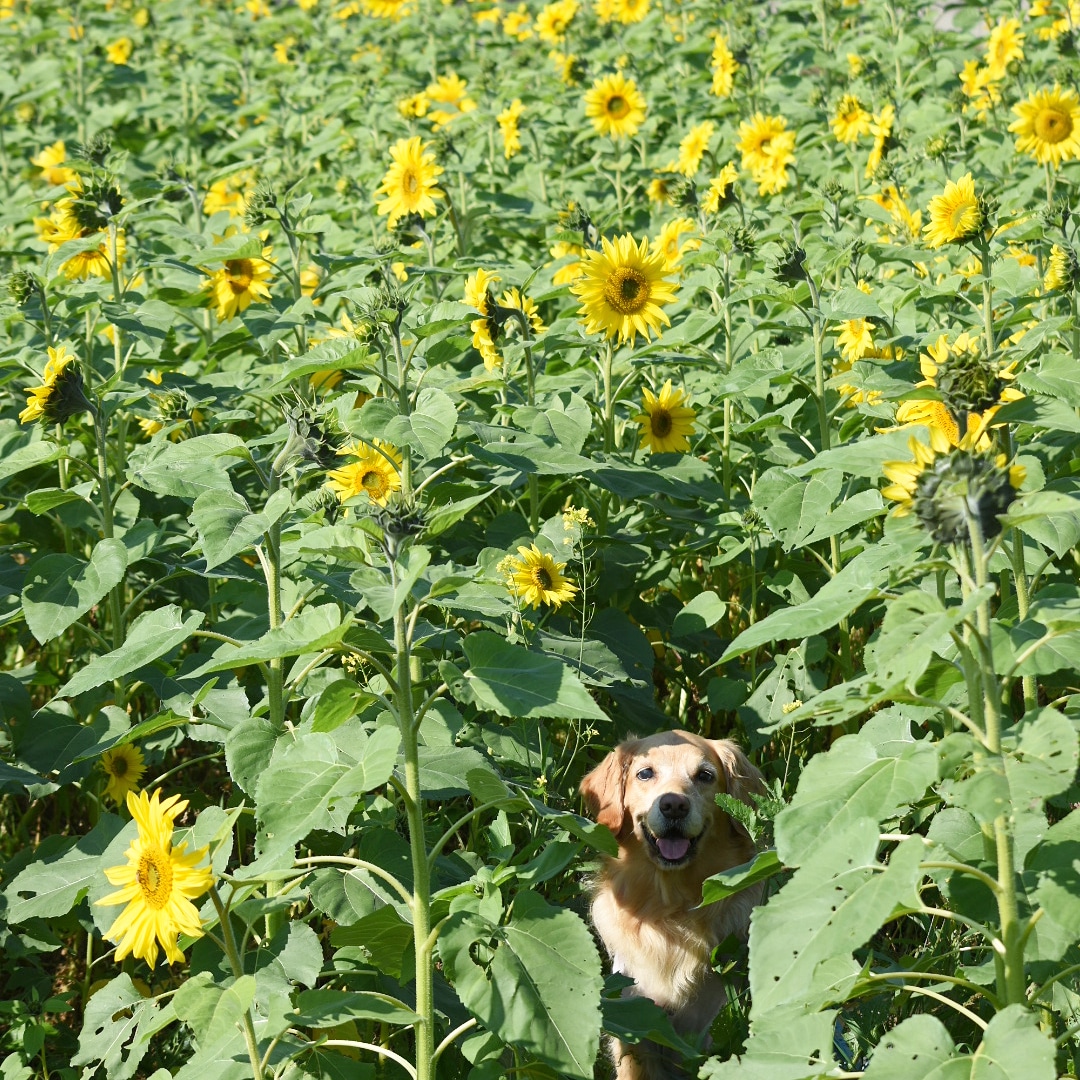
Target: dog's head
x,y
661,792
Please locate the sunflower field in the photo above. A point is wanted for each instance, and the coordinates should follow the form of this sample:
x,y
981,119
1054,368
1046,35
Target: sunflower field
x,y
404,401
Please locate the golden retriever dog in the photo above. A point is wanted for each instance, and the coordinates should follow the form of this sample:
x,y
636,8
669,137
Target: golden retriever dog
x,y
657,795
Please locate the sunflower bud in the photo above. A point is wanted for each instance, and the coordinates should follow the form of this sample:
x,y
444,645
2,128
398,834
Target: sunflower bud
x,y
1062,269
22,285
262,206
684,194
97,203
961,487
832,190
67,398
94,150
399,520
789,267
938,147
308,436
968,382
744,239
1057,214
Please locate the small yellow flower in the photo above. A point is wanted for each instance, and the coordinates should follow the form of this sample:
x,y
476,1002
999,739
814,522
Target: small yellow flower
x,y
693,147
239,283
51,163
615,106
724,67
124,766
667,421
536,578
1048,126
410,183
448,100
671,245
851,121
374,474
554,20
119,52
767,148
720,189
508,127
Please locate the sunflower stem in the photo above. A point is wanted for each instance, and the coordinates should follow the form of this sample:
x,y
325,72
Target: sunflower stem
x,y
606,357
1023,602
988,299
1075,336
232,954
403,406
116,594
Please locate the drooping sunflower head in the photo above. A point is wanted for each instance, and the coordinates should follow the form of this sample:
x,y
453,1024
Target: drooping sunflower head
x,y
615,106
536,579
60,395
158,884
1048,126
956,215
374,473
409,185
964,377
124,766
623,291
1062,269
666,422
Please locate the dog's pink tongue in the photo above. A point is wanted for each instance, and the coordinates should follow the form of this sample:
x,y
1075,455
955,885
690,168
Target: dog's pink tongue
x,y
673,847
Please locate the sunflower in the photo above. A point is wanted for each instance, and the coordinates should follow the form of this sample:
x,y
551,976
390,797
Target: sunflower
x,y
666,421
63,225
414,106
508,127
905,474
630,11
622,289
518,23
536,578
496,319
409,183
851,121
447,100
228,194
881,128
693,147
855,340
767,149
119,52
561,249
720,189
239,283
1048,127
724,66
124,766
955,215
375,474
1004,44
615,106
1062,269
51,163
60,395
671,245
158,884
659,190
554,20
387,9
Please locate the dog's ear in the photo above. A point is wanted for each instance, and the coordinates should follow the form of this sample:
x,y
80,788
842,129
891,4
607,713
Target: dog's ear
x,y
743,778
602,790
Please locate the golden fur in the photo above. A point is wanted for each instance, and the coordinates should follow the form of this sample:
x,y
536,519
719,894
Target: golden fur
x,y
657,796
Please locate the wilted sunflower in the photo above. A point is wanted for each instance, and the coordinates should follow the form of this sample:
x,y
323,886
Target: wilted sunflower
x,y
124,766
851,120
239,283
615,106
374,474
1048,126
666,422
724,66
60,395
536,578
158,884
51,163
623,289
409,183
693,147
955,215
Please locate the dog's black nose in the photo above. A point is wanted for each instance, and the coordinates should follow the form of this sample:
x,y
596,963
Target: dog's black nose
x,y
675,807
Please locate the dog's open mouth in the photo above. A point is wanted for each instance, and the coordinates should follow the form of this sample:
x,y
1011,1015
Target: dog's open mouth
x,y
672,850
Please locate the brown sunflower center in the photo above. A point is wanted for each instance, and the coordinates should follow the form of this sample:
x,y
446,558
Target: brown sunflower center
x,y
1052,125
374,483
660,422
409,182
119,767
155,877
617,106
541,578
627,290
239,273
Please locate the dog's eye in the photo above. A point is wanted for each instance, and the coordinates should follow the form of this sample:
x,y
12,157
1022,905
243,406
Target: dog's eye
x,y
705,775
645,774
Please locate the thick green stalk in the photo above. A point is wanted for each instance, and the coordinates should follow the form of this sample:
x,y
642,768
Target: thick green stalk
x,y
232,954
116,594
404,407
421,904
1011,985
1023,602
